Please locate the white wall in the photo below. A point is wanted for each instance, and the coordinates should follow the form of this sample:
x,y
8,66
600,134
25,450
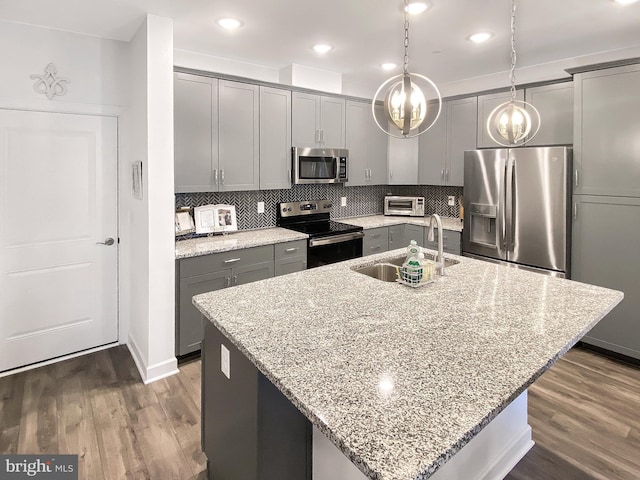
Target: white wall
x,y
309,77
210,63
148,267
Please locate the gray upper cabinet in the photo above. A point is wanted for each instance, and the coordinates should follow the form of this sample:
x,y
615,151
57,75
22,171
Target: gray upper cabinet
x,y
195,133
606,132
367,146
239,141
275,138
486,104
318,121
604,252
403,161
442,146
555,104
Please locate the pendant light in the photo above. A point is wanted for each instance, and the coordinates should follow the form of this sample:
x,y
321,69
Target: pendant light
x,y
411,101
515,122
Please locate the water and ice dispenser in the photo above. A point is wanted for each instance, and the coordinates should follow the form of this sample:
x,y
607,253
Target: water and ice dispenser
x,y
483,224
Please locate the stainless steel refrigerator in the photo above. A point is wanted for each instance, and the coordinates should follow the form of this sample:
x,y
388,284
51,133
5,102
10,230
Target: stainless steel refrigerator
x,y
517,207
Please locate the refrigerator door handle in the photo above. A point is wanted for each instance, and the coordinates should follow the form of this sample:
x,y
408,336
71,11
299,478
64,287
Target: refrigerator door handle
x,y
509,205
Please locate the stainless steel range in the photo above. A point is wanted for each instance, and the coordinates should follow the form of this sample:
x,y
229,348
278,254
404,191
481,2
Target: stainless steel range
x,y
329,241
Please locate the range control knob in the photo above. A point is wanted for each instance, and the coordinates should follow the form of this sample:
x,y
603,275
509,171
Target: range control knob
x,y
328,205
289,209
284,209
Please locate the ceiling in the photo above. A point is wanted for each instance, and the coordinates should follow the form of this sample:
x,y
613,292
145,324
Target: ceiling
x,y
365,33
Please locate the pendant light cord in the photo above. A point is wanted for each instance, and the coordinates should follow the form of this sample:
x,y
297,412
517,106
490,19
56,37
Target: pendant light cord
x,y
406,37
512,77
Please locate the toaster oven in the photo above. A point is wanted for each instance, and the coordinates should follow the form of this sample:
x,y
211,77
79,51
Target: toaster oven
x,y
404,206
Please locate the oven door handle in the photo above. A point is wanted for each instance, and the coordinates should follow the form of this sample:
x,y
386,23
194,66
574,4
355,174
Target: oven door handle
x,y
345,237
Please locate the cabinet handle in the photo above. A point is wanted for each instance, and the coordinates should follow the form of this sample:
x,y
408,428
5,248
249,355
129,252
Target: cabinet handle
x,y
322,136
446,175
222,176
215,177
390,173
289,176
292,249
377,247
228,279
391,236
232,260
375,235
577,175
575,211
442,174
317,136
235,279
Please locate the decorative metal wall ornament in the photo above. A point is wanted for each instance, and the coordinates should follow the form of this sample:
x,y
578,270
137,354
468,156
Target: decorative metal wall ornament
x,y
412,102
515,122
49,84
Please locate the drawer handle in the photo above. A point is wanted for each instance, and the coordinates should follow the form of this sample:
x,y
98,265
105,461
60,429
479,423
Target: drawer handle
x,y
378,247
375,235
292,249
232,260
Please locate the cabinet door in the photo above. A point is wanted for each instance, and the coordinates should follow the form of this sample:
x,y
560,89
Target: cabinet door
x,y
414,232
332,121
285,266
356,118
555,105
451,241
606,132
486,104
462,128
239,143
376,240
275,138
397,237
195,132
376,150
432,152
403,161
305,119
252,273
189,321
604,252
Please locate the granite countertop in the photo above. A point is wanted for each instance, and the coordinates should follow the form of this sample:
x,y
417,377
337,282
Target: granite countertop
x,y
195,247
400,379
375,221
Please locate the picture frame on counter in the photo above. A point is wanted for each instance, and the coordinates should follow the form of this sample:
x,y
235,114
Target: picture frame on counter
x,y
215,218
184,222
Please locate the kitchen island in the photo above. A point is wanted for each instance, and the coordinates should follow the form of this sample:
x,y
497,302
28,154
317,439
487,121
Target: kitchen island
x,y
398,379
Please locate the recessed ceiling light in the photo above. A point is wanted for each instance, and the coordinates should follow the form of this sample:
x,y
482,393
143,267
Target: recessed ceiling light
x,y
625,2
415,8
480,37
229,23
388,66
322,48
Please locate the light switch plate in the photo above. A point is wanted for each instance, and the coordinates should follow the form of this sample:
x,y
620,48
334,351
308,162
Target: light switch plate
x,y
225,364
343,201
260,207
452,201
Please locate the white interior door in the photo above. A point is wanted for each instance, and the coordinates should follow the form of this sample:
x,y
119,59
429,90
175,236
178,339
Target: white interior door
x,y
58,200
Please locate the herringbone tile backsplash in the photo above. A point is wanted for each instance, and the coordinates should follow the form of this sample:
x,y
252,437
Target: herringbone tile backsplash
x,y
360,200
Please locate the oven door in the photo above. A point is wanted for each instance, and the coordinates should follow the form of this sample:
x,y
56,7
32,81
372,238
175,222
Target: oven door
x,y
333,249
400,206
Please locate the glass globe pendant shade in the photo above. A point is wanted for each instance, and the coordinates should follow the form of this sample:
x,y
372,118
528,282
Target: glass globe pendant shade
x,y
406,110
513,123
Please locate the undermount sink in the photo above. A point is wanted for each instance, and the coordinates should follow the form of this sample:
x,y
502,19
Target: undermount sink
x,y
387,271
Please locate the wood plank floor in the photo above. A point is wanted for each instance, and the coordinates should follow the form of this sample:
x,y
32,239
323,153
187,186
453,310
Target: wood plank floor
x,y
585,415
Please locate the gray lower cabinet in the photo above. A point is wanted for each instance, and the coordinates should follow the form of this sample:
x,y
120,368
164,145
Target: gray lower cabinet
x,y
290,257
396,236
555,104
606,132
195,131
441,153
451,241
605,252
275,138
376,240
486,105
209,273
250,430
413,232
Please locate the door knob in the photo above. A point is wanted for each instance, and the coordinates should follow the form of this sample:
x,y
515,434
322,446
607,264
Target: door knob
x,y
108,241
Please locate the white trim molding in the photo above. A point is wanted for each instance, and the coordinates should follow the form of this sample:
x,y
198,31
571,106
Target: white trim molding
x,y
154,372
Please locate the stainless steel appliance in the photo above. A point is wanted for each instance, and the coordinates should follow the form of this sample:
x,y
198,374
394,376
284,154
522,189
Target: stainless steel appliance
x,y
406,206
320,165
517,207
329,241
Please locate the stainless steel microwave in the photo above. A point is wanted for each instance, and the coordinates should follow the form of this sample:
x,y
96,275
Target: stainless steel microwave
x,y
407,206
320,165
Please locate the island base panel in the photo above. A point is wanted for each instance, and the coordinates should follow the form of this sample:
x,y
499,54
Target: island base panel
x,y
250,430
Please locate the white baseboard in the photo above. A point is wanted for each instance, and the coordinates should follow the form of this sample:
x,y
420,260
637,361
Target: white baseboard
x,y
151,373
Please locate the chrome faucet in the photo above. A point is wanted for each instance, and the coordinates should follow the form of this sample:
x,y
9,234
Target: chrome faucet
x,y
430,237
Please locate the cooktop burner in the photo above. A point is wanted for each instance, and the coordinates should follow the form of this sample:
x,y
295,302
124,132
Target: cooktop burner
x,y
322,227
313,218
